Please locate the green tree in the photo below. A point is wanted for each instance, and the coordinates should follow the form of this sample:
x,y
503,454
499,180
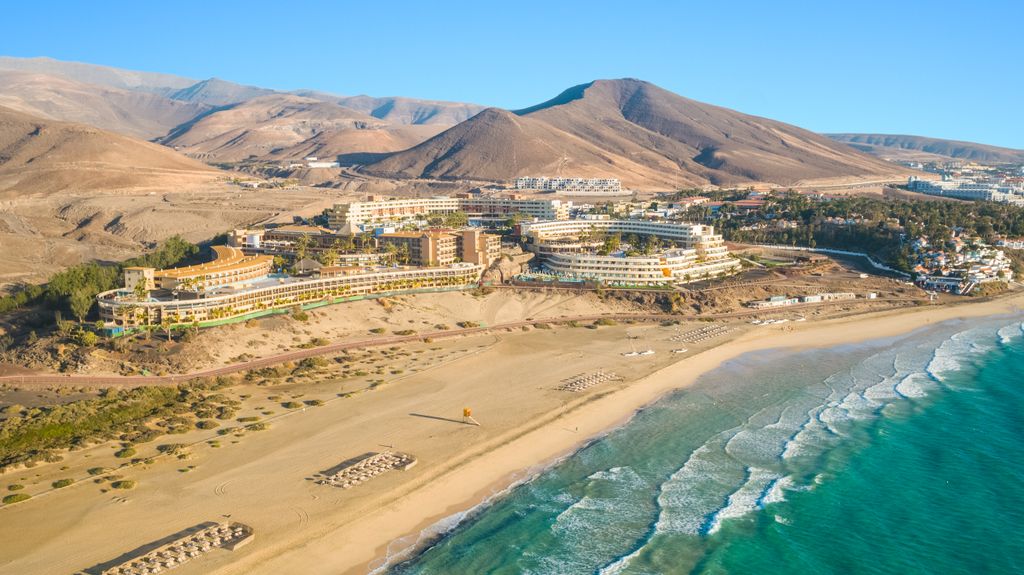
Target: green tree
x,y
302,247
81,303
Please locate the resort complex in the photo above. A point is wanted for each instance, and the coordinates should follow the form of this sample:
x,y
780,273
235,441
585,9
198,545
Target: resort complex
x,y
628,252
271,270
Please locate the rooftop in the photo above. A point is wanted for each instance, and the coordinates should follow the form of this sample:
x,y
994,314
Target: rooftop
x,y
226,258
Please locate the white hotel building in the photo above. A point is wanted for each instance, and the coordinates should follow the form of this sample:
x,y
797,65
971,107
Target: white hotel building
x,y
697,252
570,185
963,189
354,217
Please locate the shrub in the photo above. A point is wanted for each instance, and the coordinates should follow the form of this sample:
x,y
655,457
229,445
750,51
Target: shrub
x,y
467,324
62,483
256,427
607,321
123,484
300,316
207,424
16,498
291,405
405,332
125,453
15,487
314,402
377,330
311,363
97,470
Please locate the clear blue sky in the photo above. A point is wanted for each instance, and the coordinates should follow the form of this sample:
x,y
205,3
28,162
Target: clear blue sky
x,y
942,69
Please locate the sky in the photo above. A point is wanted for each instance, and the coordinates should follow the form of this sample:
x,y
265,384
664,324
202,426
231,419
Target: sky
x,y
940,69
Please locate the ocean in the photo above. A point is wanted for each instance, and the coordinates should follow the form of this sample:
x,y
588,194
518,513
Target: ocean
x,y
902,456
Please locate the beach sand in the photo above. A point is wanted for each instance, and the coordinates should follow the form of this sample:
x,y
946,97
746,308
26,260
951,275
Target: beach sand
x,y
507,378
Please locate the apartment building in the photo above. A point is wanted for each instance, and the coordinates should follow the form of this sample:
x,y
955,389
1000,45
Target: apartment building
x,y
570,185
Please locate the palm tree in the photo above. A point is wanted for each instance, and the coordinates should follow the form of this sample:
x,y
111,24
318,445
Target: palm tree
x,y
165,323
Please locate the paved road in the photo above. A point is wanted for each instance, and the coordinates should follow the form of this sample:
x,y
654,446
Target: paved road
x,y
140,380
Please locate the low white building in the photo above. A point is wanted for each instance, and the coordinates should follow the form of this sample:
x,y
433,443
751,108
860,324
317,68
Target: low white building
x,y
609,186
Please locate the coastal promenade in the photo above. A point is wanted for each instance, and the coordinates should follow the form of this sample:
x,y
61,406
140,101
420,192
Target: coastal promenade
x,y
128,381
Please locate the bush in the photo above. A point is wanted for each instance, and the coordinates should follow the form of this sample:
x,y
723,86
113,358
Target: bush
x,y
207,424
62,483
607,321
377,330
123,484
405,332
97,470
125,453
300,316
291,405
16,498
467,324
310,364
119,414
15,487
314,402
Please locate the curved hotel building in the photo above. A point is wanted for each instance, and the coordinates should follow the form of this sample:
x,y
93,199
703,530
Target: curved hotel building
x,y
568,248
235,286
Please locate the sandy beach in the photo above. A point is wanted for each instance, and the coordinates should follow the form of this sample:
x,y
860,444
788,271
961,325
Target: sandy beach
x,y
508,379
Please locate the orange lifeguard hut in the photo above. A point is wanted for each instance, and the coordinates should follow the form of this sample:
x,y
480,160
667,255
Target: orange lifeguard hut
x,y
467,416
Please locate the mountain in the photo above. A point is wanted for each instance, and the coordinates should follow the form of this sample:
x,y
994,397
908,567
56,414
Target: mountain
x,y
283,126
634,130
498,145
99,75
402,110
40,157
141,114
917,148
217,92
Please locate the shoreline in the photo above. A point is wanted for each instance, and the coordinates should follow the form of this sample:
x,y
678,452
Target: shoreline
x,y
364,546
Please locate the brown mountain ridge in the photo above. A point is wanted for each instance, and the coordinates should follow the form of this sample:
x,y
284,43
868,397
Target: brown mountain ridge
x,y
40,157
903,147
647,136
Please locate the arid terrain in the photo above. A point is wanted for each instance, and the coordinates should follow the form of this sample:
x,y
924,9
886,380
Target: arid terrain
x,y
278,430
638,132
920,149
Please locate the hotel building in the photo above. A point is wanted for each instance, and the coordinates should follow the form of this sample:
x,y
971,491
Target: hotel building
x,y
441,248
609,186
356,217
568,249
229,266
244,289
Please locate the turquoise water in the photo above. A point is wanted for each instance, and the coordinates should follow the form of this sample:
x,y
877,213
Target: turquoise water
x,y
897,456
